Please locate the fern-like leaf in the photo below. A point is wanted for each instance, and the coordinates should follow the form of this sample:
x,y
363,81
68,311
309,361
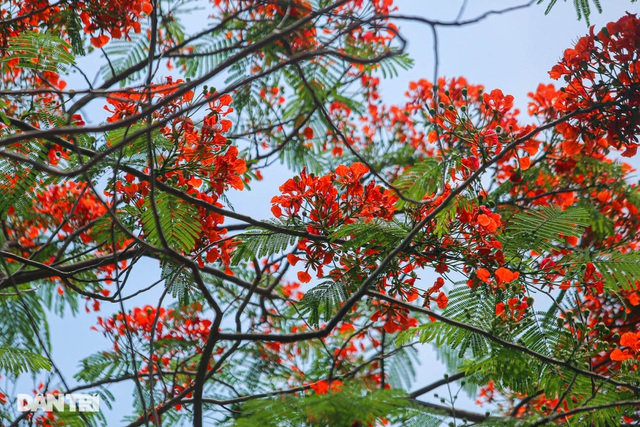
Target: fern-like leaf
x,y
540,230
421,179
582,7
176,220
377,233
18,360
323,300
39,52
619,271
260,244
351,406
124,54
100,366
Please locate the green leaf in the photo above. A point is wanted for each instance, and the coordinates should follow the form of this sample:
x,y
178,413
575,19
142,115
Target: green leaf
x,y
422,179
40,52
378,233
101,366
619,271
354,405
259,244
583,7
401,368
179,280
19,182
16,360
175,219
541,230
323,300
23,320
124,54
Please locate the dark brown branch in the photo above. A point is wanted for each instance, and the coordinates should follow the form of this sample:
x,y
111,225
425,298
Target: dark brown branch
x,y
446,380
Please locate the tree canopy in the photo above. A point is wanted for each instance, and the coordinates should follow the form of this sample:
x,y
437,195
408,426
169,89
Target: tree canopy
x,y
511,244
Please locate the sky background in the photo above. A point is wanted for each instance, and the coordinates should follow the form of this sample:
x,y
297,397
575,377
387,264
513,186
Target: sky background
x,y
512,52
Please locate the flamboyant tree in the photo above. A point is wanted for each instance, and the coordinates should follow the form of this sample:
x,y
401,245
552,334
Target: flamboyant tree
x,y
509,243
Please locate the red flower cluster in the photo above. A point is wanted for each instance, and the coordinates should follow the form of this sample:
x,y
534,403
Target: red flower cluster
x,y
395,318
335,198
205,165
601,70
631,342
329,201
115,18
67,208
101,19
323,387
186,324
513,310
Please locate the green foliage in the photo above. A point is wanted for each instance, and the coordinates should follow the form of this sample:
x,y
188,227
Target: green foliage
x,y
352,406
583,7
102,365
541,333
421,179
179,280
401,368
368,234
298,156
136,150
501,192
74,30
323,300
80,419
14,191
584,392
106,230
619,271
473,339
23,321
508,369
40,52
20,191
465,305
211,50
389,68
125,55
174,221
251,376
16,360
540,230
258,244
446,216
480,357
419,418
69,301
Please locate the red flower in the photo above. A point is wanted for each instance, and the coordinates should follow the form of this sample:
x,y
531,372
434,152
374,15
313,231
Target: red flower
x,y
630,339
308,132
323,387
100,40
618,355
488,222
293,260
483,274
442,300
349,177
304,277
505,275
